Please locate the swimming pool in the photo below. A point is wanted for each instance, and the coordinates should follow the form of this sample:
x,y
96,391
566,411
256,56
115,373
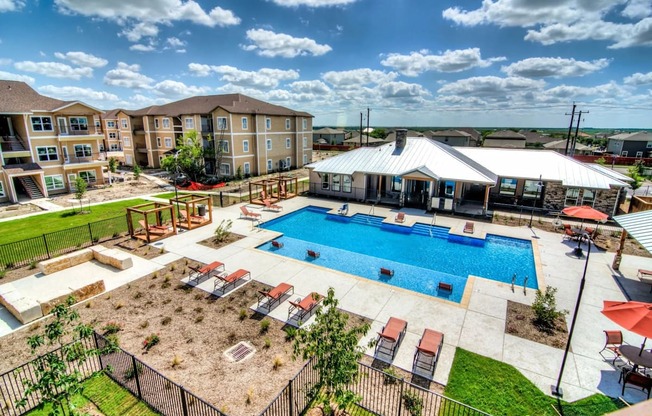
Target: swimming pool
x,y
421,256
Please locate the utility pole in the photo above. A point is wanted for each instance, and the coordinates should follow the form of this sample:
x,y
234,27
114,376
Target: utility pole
x,y
368,126
360,128
577,129
570,128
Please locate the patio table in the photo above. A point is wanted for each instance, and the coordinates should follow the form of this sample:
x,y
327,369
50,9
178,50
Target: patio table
x,y
630,352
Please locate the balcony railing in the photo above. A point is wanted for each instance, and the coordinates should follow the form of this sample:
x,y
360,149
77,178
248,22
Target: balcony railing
x,y
75,130
85,158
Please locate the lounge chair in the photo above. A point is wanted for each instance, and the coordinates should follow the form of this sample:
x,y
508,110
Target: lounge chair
x,y
391,336
386,272
613,341
637,379
274,295
428,350
313,254
193,218
277,244
198,273
305,305
400,217
248,214
231,279
271,207
645,276
570,234
154,229
343,210
469,227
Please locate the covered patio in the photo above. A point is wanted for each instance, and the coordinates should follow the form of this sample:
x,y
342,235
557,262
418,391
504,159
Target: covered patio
x,y
193,211
156,220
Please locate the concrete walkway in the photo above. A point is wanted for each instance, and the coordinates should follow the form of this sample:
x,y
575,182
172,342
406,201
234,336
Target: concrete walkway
x,y
477,324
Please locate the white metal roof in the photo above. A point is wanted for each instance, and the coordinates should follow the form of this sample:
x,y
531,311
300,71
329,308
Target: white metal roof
x,y
529,164
419,153
639,226
609,172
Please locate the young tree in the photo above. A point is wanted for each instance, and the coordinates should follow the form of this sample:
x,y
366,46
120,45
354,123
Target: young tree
x,y
57,376
334,345
137,171
113,166
80,191
189,158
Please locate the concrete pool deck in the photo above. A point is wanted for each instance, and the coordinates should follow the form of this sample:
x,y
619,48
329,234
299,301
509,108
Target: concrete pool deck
x,y
477,324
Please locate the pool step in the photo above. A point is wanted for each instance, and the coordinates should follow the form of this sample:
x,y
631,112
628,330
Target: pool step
x,y
430,231
367,219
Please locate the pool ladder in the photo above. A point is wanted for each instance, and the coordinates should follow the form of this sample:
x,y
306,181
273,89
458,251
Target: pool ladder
x,y
524,284
432,223
371,211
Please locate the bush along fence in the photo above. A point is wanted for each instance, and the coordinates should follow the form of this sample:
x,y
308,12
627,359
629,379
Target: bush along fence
x,y
24,252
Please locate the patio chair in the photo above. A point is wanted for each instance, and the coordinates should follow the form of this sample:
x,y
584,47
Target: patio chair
x,y
427,353
198,274
613,341
271,207
231,279
400,217
469,227
343,210
267,298
277,244
248,214
646,274
637,380
570,234
305,306
389,339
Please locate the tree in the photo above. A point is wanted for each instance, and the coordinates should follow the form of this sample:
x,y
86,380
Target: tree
x,y
113,166
189,158
57,375
378,133
634,172
80,190
334,345
137,171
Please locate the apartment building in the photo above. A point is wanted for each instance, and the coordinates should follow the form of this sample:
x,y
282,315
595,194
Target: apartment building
x,y
45,143
253,137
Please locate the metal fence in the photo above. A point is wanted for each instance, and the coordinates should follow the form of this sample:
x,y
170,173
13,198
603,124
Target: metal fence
x,y
23,252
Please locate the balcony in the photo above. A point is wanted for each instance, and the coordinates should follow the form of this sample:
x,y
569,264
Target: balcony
x,y
12,146
74,132
82,159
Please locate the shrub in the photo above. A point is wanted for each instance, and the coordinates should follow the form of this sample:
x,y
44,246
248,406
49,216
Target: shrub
x,y
32,264
268,343
176,361
413,403
150,341
144,324
290,333
113,341
390,376
277,363
545,307
199,318
138,295
119,305
112,328
131,372
243,314
264,325
250,392
223,231
166,320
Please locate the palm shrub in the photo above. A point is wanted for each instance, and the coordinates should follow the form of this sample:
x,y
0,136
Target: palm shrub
x,y
545,308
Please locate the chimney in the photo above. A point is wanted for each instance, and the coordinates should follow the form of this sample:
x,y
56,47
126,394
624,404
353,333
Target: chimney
x,y
401,138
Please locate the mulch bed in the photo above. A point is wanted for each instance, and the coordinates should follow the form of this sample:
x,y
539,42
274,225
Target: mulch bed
x,y
231,238
520,322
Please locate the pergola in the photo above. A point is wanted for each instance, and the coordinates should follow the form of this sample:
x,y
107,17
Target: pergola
x,y
158,221
188,208
273,189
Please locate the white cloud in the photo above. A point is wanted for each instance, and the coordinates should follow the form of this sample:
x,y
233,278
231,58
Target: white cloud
x,y
313,3
175,42
639,79
11,5
553,67
639,35
127,76
449,61
77,94
356,77
491,86
269,44
174,89
139,31
16,77
142,48
638,9
565,92
402,90
82,59
54,69
200,70
310,87
264,78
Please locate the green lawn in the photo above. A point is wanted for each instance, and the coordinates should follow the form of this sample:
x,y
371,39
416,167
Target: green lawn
x,y
170,195
498,388
108,396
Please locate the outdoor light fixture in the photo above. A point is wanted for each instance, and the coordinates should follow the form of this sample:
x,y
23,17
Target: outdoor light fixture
x,y
539,186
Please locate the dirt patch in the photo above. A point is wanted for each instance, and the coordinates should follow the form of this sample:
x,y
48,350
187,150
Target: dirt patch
x,y
521,323
212,243
118,190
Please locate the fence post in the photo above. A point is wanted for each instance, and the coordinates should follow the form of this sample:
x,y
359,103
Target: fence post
x,y
133,362
400,397
90,232
97,347
290,398
184,404
47,250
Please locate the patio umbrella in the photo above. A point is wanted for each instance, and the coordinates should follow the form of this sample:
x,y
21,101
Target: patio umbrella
x,y
585,212
633,316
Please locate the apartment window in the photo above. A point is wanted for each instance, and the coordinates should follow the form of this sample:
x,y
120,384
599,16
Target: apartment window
x,y
531,189
225,169
221,123
78,123
336,183
397,183
113,136
101,147
54,182
166,123
168,142
588,197
88,175
127,141
41,123
305,142
270,165
114,147
649,145
624,153
224,146
2,189
325,181
156,125
572,195
245,124
639,154
124,123
268,123
305,159
287,124
158,142
190,123
288,143
304,123
47,153
247,168
245,146
346,183
110,124
83,150
507,186
269,144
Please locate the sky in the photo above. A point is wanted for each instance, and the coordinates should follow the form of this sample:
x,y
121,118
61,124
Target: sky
x,y
435,63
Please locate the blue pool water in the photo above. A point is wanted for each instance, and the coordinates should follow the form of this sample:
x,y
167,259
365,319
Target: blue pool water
x,y
421,256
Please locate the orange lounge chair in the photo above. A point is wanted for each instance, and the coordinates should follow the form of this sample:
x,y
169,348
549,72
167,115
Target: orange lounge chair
x,y
400,217
274,295
198,274
271,207
305,305
644,273
570,234
248,214
232,279
469,227
428,350
391,336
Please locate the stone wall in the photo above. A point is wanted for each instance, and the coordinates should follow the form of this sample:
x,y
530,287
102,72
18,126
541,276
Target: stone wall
x,y
554,196
605,200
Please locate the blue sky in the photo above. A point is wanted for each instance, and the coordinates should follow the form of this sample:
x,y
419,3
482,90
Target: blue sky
x,y
518,63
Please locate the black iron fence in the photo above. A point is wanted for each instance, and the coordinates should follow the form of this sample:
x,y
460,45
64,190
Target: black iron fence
x,y
24,252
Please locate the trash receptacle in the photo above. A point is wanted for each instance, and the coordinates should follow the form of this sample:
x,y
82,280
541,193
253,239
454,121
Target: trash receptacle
x,y
201,210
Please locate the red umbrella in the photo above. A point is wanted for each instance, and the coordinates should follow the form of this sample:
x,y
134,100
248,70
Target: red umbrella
x,y
585,212
632,315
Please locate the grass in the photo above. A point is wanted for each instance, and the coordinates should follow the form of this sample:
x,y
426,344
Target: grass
x,y
498,388
170,195
108,396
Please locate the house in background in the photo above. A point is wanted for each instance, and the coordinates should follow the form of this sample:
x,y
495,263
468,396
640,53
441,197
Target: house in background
x,y
475,135
506,139
536,139
331,136
454,138
559,146
637,144
46,143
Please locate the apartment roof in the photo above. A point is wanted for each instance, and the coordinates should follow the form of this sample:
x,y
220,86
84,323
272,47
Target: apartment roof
x,y
18,97
561,144
328,130
639,226
450,133
639,136
473,132
529,164
535,137
506,134
419,154
609,172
